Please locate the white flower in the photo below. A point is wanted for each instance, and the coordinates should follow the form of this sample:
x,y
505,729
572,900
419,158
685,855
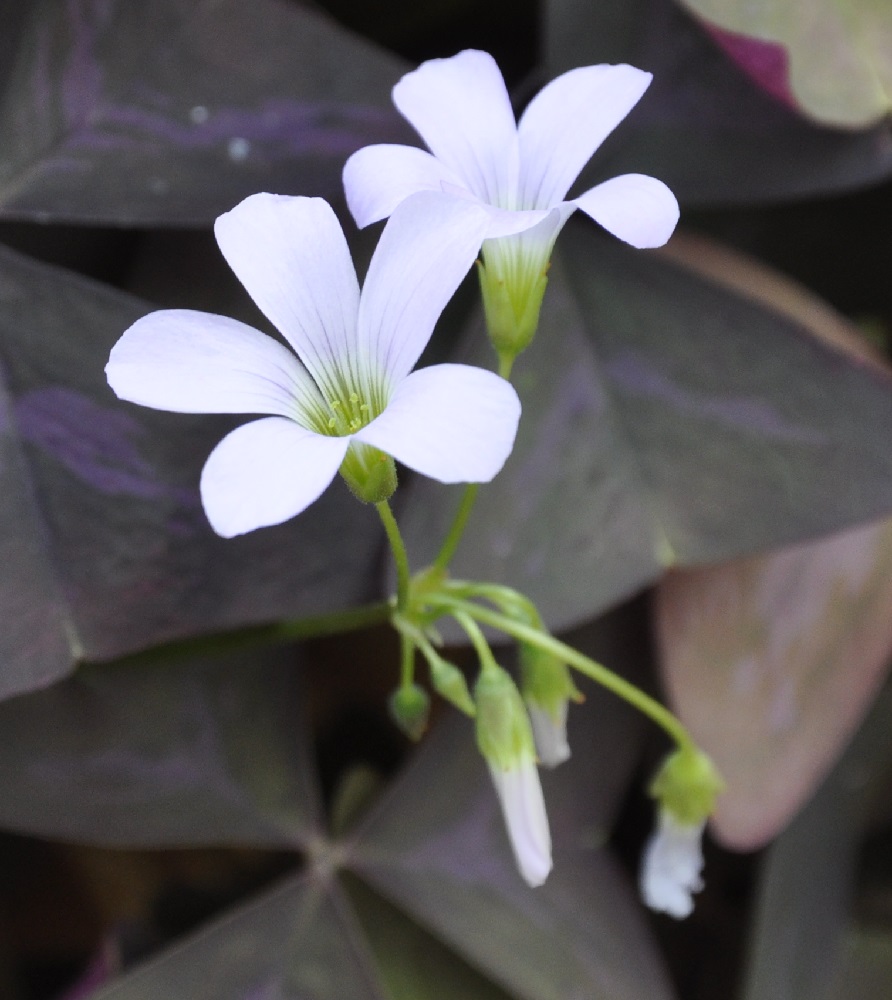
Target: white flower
x,y
523,808
671,867
351,395
550,733
520,171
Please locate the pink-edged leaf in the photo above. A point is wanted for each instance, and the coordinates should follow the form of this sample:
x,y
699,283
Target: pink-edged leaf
x,y
840,55
772,661
703,127
768,63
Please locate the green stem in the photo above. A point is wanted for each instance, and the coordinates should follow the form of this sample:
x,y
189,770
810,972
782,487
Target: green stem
x,y
450,544
399,554
506,363
607,678
407,660
478,639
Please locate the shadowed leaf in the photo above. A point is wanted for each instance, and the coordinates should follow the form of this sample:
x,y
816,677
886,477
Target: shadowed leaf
x,y
116,554
171,112
204,753
667,421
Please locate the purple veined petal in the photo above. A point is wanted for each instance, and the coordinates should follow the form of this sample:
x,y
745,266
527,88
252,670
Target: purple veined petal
x,y
266,472
566,122
426,248
195,362
460,107
636,208
451,422
378,178
291,256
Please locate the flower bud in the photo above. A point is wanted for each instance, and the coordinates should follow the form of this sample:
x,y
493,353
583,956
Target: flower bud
x,y
450,682
506,742
410,708
685,787
547,687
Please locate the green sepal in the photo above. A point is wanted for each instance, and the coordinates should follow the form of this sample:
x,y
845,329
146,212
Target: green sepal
x,y
687,785
410,709
504,734
546,681
511,308
370,474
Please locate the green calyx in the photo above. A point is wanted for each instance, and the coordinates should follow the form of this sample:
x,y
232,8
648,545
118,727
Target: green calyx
x,y
370,474
687,785
512,300
546,681
504,735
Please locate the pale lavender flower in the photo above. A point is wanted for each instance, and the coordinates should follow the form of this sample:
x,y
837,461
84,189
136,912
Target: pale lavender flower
x,y
349,395
520,171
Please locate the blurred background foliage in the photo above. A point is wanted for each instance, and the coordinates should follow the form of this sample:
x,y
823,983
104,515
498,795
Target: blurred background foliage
x,y
700,496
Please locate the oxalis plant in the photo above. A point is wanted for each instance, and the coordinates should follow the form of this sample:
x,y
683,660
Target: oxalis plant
x,y
429,569
348,401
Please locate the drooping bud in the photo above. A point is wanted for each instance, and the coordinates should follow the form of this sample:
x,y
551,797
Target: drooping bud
x,y
547,688
450,682
410,709
506,742
685,787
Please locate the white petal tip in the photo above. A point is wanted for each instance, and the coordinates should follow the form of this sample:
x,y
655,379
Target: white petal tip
x,y
523,808
550,735
671,867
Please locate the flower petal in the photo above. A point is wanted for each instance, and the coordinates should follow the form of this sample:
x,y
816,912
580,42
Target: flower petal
x,y
266,472
461,108
424,252
504,222
523,807
195,362
550,734
451,422
291,256
671,867
378,178
566,122
638,209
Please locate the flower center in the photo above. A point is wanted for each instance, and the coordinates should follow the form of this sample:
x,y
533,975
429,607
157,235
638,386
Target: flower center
x,y
347,415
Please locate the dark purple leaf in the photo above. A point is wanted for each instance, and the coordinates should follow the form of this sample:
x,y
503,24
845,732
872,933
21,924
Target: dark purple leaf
x,y
104,527
668,420
210,752
170,112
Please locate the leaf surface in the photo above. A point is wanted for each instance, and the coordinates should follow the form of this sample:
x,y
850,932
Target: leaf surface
x,y
668,421
171,112
105,525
